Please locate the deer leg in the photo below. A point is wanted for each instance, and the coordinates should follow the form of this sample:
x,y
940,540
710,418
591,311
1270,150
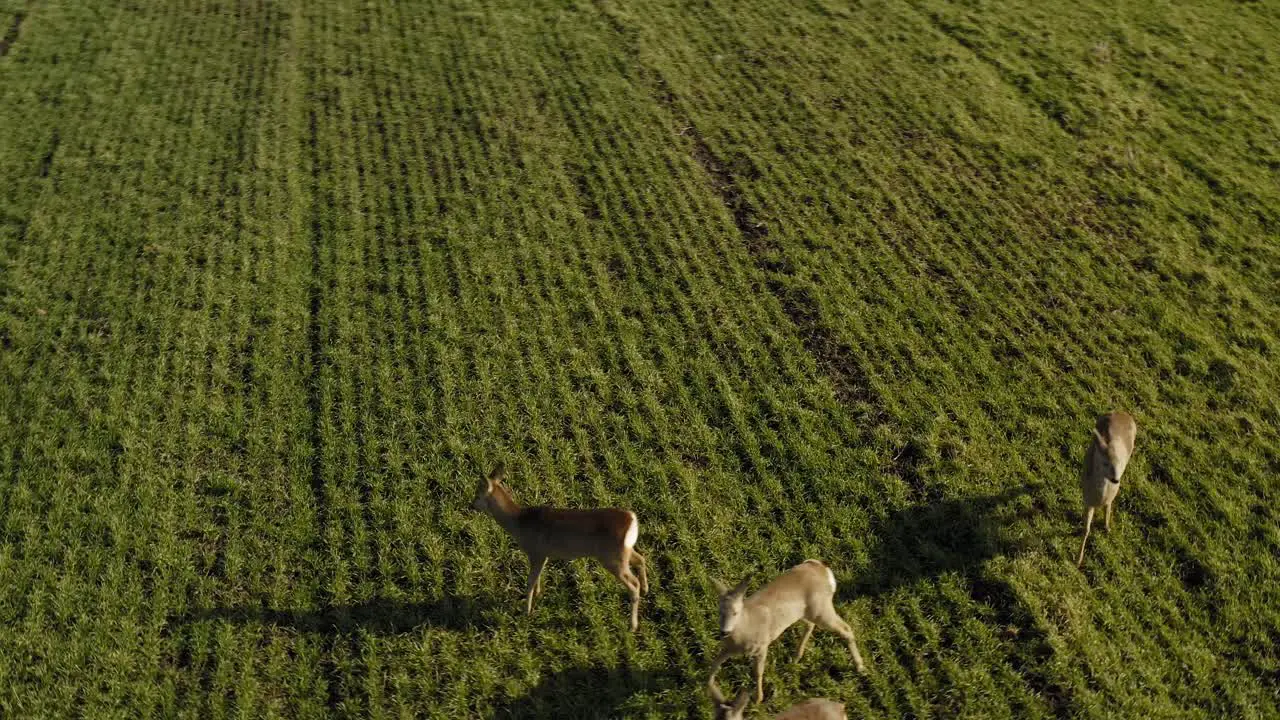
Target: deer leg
x,y
760,662
634,586
804,640
831,620
1088,523
715,667
535,577
623,573
644,574
537,592
1108,525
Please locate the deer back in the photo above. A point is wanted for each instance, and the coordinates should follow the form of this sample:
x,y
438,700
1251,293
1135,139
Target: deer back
x,y
567,534
790,597
815,709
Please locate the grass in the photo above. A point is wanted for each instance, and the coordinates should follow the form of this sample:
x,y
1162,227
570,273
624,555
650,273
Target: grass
x,y
280,280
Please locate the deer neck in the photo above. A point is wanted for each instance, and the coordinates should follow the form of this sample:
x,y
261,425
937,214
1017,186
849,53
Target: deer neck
x,y
505,509
754,621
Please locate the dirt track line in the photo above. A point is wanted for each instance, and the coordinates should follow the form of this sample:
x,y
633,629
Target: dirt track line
x,y
10,37
835,359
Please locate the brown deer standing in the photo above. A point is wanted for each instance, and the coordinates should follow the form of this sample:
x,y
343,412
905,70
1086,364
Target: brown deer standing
x,y
609,535
1104,463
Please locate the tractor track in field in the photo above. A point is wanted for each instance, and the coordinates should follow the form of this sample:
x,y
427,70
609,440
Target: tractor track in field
x,y
833,358
315,340
11,35
317,361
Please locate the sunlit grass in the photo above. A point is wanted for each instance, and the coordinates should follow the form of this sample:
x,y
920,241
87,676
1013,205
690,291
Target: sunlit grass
x,y
280,280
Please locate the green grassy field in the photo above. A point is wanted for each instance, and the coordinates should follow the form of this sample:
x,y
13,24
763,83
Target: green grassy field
x,y
279,280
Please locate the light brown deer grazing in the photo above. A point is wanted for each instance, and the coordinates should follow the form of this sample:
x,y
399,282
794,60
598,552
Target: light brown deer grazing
x,y
814,709
1104,463
748,626
609,535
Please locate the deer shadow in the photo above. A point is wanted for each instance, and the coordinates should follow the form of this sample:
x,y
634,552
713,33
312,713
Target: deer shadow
x,y
920,543
923,541
588,692
375,616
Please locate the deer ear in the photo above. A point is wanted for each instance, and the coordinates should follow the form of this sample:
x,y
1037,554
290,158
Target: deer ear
x,y
1102,442
716,696
721,588
740,702
498,473
741,589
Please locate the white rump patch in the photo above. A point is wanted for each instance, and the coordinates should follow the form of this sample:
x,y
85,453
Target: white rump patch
x,y
633,532
832,577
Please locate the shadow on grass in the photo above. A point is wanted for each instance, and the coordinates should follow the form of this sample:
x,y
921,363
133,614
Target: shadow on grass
x,y
590,692
924,541
375,616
